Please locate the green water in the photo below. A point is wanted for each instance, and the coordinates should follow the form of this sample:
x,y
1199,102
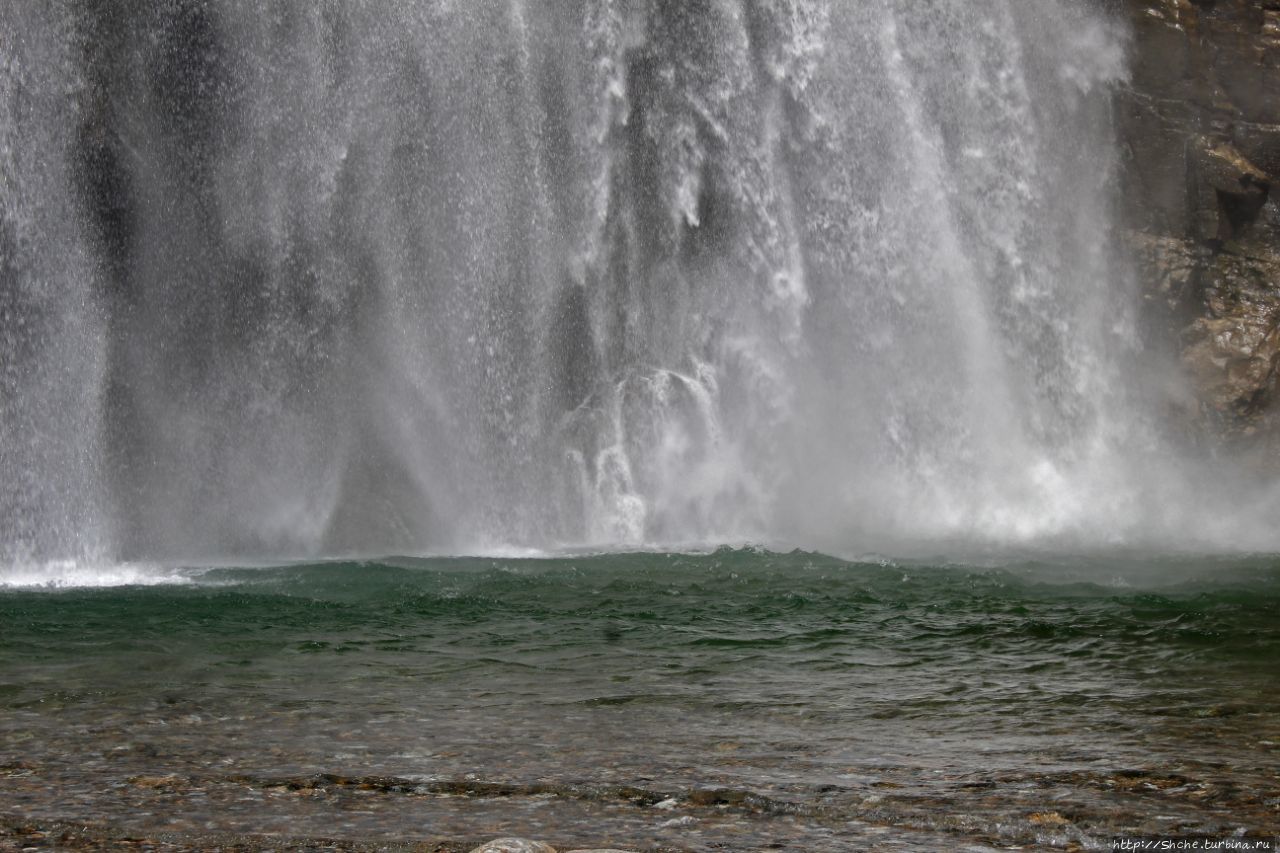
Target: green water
x,y
729,700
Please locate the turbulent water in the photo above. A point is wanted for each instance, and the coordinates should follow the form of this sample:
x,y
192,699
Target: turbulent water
x,y
734,700
328,278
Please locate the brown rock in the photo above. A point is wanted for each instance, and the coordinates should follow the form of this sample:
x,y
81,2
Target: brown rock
x,y
1232,353
1153,136
1260,143
1048,819
1229,191
1162,65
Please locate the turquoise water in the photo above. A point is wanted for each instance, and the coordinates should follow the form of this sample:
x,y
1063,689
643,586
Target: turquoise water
x,y
728,700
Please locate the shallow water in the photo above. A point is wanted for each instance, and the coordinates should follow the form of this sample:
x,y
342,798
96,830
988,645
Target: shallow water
x,y
726,700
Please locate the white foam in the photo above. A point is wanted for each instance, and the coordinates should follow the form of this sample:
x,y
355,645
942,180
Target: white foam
x,y
75,574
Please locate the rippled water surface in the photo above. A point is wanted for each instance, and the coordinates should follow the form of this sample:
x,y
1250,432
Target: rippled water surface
x,y
731,700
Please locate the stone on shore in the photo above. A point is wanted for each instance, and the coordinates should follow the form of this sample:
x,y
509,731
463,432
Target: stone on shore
x,y
514,845
525,845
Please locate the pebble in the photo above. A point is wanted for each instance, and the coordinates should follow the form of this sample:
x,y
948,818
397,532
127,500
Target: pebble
x,y
514,845
524,845
687,820
1049,819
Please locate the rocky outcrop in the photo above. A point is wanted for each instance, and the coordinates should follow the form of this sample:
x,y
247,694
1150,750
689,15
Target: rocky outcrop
x,y
1200,129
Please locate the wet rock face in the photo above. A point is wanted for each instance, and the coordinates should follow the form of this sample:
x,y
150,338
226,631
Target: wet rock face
x,y
1232,351
1200,126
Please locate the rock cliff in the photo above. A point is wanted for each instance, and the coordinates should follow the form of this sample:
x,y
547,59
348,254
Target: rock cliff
x,y
1200,129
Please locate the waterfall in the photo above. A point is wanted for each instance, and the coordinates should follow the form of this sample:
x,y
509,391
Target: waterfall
x,y
336,277
52,334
